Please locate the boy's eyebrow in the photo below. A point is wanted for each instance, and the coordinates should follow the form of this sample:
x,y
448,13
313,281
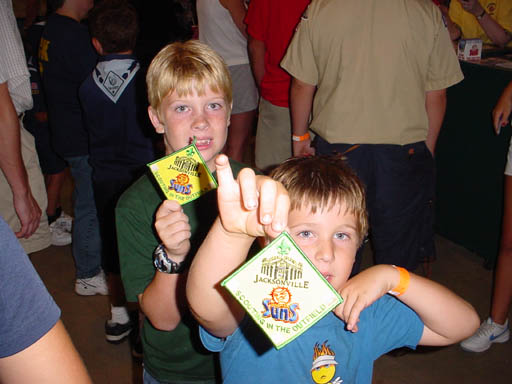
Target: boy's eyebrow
x,y
353,227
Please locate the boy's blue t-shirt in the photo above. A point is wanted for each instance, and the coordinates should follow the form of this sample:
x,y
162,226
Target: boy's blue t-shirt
x,y
325,353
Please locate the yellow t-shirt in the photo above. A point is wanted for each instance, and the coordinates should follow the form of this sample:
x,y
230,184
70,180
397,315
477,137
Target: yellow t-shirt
x,y
372,62
499,10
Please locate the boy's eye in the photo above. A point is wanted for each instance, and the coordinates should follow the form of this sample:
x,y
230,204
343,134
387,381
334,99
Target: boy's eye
x,y
306,234
342,236
181,108
214,106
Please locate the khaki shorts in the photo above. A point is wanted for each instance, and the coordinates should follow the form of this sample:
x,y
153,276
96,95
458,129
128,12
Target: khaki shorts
x,y
273,135
41,238
245,93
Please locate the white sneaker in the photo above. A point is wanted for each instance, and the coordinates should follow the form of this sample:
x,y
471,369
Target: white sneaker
x,y
488,333
65,222
96,285
59,236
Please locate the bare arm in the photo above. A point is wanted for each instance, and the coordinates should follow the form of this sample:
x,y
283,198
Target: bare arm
x,y
237,10
447,318
453,29
502,110
164,298
492,28
249,207
212,305
301,103
51,360
257,56
11,164
435,104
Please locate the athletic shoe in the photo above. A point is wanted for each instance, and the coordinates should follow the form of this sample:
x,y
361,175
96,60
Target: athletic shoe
x,y
488,333
96,285
116,333
59,236
65,222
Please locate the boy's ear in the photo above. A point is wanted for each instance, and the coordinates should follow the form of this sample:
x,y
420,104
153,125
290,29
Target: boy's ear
x,y
229,117
97,46
155,120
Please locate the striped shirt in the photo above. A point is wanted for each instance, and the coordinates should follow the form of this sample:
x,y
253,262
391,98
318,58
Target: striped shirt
x,y
13,65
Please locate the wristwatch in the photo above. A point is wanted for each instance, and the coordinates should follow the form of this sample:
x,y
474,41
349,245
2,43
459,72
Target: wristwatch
x,y
164,264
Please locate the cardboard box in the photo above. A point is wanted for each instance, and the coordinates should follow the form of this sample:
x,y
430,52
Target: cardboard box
x,y
469,49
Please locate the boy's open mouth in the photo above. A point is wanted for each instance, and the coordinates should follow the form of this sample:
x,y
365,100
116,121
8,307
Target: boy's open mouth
x,y
201,142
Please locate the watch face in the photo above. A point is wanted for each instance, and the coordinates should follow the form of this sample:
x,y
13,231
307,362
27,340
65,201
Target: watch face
x,y
163,263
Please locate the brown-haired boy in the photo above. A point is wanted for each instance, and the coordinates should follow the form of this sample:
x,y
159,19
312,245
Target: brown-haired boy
x,y
120,136
321,204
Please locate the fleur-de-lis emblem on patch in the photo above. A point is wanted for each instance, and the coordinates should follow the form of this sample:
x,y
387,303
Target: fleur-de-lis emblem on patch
x,y
190,152
283,248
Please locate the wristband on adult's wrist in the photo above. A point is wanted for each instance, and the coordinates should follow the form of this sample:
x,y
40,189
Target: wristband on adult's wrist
x,y
301,138
403,284
480,16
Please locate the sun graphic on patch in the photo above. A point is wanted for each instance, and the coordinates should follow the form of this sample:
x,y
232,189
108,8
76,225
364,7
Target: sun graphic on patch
x,y
182,179
281,296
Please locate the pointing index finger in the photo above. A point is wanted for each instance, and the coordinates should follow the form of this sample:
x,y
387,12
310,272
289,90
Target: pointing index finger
x,y
224,173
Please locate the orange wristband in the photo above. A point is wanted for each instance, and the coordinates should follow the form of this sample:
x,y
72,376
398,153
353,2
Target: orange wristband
x,y
301,138
403,284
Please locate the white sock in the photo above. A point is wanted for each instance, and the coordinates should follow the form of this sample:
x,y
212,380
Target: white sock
x,y
119,314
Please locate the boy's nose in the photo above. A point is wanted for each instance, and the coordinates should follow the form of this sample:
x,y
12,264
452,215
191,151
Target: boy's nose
x,y
325,252
200,121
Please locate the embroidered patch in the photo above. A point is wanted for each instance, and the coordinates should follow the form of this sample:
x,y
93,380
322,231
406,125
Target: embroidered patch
x,y
113,83
282,291
183,175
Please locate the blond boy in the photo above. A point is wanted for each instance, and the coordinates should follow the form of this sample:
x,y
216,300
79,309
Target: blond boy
x,y
189,91
324,211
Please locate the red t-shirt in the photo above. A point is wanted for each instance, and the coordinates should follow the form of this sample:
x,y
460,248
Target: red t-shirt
x,y
274,22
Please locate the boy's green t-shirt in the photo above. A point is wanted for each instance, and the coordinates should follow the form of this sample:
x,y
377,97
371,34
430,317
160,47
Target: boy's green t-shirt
x,y
176,355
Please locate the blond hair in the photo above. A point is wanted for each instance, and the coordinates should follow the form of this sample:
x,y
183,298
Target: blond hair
x,y
324,183
185,68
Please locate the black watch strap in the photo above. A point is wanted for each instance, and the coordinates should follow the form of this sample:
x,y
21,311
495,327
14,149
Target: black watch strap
x,y
164,264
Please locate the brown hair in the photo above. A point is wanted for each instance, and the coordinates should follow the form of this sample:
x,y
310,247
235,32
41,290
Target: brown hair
x,y
324,182
185,68
114,24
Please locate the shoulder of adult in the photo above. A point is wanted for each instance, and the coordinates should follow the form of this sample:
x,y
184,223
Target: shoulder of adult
x,y
27,311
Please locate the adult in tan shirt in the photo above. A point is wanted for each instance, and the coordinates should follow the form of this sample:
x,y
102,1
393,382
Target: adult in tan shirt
x,y
374,75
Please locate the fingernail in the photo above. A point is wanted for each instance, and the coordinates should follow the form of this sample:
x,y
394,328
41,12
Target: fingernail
x,y
278,226
266,219
251,204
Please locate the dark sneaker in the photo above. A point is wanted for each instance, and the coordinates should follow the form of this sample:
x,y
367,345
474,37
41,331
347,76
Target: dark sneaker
x,y
116,333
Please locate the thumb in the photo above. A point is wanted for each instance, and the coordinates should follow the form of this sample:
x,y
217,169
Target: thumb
x,y
167,207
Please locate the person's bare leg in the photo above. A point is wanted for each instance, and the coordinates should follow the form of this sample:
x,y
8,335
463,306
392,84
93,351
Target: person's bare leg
x,y
239,132
502,292
53,187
